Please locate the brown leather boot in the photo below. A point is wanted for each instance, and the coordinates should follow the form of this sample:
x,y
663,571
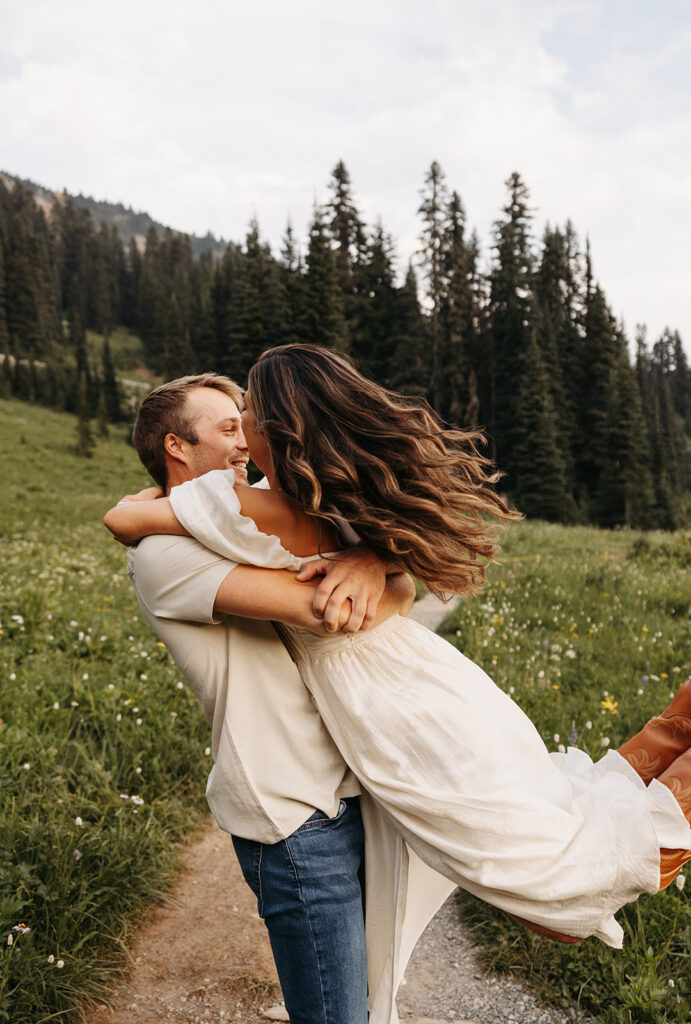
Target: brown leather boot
x,y
547,932
678,779
662,739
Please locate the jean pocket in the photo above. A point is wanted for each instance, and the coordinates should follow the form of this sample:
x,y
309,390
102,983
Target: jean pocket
x,y
249,855
321,820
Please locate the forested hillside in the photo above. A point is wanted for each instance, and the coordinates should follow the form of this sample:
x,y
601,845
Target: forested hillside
x,y
520,341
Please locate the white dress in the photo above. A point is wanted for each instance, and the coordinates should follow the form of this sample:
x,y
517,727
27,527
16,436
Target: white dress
x,y
457,768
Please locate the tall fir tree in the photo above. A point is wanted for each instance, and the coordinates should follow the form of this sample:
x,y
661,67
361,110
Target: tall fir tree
x,y
539,479
434,263
324,319
409,370
459,385
600,347
556,340
291,326
4,333
85,442
511,313
110,388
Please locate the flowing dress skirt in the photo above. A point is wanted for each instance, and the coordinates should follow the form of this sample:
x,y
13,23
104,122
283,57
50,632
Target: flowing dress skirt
x,y
455,766
464,776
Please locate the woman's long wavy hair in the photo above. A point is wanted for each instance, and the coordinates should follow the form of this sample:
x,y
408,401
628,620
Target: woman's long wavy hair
x,y
417,492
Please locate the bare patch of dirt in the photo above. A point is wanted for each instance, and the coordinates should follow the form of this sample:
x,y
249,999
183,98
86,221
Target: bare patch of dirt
x,y
204,955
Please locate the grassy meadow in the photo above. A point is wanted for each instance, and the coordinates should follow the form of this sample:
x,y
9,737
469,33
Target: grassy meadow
x,y
102,763
590,631
103,750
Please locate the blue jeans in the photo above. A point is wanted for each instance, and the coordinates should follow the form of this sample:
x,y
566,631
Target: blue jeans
x,y
309,892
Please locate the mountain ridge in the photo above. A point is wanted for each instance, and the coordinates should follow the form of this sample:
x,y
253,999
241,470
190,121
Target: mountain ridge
x,y
129,223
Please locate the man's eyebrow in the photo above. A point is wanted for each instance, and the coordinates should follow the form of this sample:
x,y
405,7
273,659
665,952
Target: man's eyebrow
x,y
228,419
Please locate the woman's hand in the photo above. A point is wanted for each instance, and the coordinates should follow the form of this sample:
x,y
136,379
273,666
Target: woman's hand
x,y
148,494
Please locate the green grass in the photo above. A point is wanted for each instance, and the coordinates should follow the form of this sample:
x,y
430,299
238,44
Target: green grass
x,y
89,709
572,618
589,630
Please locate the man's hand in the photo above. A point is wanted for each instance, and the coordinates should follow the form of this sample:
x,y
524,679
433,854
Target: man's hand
x,y
355,576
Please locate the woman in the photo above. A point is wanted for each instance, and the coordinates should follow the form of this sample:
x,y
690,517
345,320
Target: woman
x,y
451,761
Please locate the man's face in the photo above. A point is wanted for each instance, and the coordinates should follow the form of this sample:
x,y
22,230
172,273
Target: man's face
x,y
222,445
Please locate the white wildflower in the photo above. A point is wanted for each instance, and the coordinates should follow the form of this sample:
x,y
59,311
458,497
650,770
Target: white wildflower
x,y
680,882
78,821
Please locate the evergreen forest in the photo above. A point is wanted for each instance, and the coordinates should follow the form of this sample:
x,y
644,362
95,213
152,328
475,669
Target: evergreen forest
x,y
586,424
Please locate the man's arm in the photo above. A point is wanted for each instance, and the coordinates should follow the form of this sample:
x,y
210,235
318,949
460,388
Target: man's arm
x,y
275,594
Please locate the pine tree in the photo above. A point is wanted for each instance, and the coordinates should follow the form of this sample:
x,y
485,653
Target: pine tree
x,y
600,349
511,330
23,289
7,386
219,315
85,441
556,339
291,292
132,269
152,305
102,415
538,466
110,390
372,333
346,228
324,320
4,333
409,371
626,494
434,262
459,385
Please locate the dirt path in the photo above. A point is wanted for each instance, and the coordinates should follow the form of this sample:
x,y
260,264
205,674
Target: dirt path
x,y
205,954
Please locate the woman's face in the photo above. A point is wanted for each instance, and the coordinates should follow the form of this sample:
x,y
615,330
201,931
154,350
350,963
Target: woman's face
x,y
258,448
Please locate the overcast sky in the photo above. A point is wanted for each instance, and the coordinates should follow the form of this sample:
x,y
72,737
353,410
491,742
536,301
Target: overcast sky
x,y
205,113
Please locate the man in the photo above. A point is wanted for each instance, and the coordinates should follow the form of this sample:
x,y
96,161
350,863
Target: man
x,y
278,784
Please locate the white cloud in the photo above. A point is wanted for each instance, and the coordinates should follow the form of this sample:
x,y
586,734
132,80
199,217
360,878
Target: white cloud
x,y
205,114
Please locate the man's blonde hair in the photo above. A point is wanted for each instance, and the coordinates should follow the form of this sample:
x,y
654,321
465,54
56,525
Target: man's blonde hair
x,y
164,411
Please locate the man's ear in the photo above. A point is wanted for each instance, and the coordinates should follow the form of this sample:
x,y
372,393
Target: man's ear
x,y
175,448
